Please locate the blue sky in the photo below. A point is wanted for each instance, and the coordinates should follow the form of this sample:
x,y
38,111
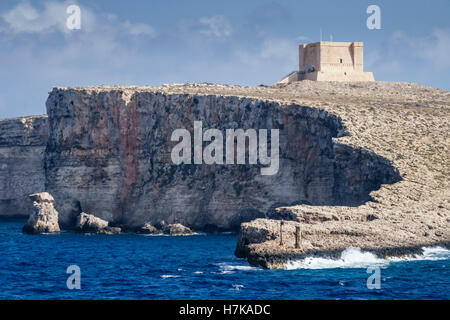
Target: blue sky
x,y
245,42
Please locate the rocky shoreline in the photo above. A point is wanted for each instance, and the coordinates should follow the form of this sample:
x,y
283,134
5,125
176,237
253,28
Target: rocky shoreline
x,y
362,165
259,241
406,123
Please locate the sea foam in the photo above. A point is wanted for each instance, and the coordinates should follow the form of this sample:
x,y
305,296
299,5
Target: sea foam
x,y
225,268
355,258
166,276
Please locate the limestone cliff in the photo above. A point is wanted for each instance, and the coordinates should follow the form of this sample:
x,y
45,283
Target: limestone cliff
x,y
22,146
109,153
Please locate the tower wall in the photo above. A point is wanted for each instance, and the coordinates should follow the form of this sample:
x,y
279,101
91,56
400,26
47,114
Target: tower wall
x,y
332,61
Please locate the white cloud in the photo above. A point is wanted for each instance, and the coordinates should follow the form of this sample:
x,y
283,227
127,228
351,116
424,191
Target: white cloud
x,y
25,18
216,26
434,48
384,63
438,51
37,52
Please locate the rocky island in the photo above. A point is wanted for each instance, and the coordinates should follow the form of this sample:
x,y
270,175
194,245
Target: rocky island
x,y
361,164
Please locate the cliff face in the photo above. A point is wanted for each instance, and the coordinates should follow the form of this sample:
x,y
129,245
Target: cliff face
x,y
109,154
22,146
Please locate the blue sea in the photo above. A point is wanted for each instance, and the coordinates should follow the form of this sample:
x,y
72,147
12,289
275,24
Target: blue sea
x,y
130,266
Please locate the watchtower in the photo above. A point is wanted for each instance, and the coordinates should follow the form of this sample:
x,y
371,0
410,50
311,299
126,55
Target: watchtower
x,y
330,61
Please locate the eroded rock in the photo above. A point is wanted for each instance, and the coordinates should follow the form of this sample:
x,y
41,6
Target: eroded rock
x,y
88,223
148,229
44,218
259,240
177,229
257,231
173,229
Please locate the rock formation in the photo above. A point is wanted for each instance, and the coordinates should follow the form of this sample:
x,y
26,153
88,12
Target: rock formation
x,y
44,217
22,146
343,147
327,235
176,229
88,223
109,150
148,229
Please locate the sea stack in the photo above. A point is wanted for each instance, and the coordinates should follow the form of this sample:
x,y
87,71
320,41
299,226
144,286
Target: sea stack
x,y
44,218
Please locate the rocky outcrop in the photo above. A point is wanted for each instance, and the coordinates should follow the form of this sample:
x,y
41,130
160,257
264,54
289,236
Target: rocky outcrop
x,y
176,229
148,229
22,146
44,217
109,152
88,223
328,235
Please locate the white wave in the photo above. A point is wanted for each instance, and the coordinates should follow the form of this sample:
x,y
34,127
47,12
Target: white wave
x,y
429,253
225,268
350,258
226,272
355,258
237,287
165,276
198,272
168,235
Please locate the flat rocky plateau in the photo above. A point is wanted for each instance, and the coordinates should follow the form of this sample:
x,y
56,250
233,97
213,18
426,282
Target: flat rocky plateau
x,y
407,123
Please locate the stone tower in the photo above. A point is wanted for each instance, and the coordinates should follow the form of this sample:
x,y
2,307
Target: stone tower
x,y
330,61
